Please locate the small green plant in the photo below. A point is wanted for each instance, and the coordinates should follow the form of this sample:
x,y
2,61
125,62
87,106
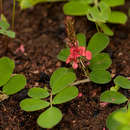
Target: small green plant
x,y
61,90
10,83
97,11
119,119
96,69
112,95
4,27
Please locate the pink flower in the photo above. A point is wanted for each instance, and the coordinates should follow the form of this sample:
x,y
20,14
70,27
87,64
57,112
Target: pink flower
x,y
88,55
103,104
21,48
80,95
75,53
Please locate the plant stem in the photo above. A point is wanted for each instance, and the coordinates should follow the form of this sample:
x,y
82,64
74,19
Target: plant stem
x,y
96,3
97,27
13,14
83,68
81,81
1,7
51,99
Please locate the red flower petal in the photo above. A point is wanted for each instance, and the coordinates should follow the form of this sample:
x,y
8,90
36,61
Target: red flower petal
x,y
75,65
88,55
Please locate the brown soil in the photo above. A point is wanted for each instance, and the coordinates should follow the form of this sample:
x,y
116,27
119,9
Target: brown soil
x,y
42,31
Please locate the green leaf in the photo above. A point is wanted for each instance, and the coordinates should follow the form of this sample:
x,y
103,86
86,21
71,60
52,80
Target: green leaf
x,y
4,25
117,17
6,69
3,18
15,84
124,127
10,34
76,8
123,118
113,97
66,95
49,118
100,76
111,123
33,104
97,43
81,39
100,61
38,93
122,82
61,78
113,3
63,55
99,13
106,29
29,3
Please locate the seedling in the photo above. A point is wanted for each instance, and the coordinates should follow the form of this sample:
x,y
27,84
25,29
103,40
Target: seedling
x,y
112,95
97,11
61,91
120,119
4,27
10,83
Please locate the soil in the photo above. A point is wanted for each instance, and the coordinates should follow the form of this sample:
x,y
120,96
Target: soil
x,y
42,32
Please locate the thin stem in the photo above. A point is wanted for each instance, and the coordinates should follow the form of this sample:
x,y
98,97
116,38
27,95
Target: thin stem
x,y
83,68
13,14
81,81
51,99
96,2
1,7
97,27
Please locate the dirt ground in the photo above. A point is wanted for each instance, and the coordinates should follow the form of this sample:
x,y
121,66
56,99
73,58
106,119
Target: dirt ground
x,y
42,32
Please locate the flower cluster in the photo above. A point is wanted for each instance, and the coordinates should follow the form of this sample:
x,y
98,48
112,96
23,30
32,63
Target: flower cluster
x,y
75,53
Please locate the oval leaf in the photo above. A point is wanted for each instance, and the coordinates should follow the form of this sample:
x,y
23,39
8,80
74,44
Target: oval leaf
x,y
61,78
122,82
31,104
113,3
117,17
66,95
6,69
100,13
49,118
97,43
100,61
111,123
38,93
15,84
106,29
74,8
100,76
81,39
63,55
113,97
